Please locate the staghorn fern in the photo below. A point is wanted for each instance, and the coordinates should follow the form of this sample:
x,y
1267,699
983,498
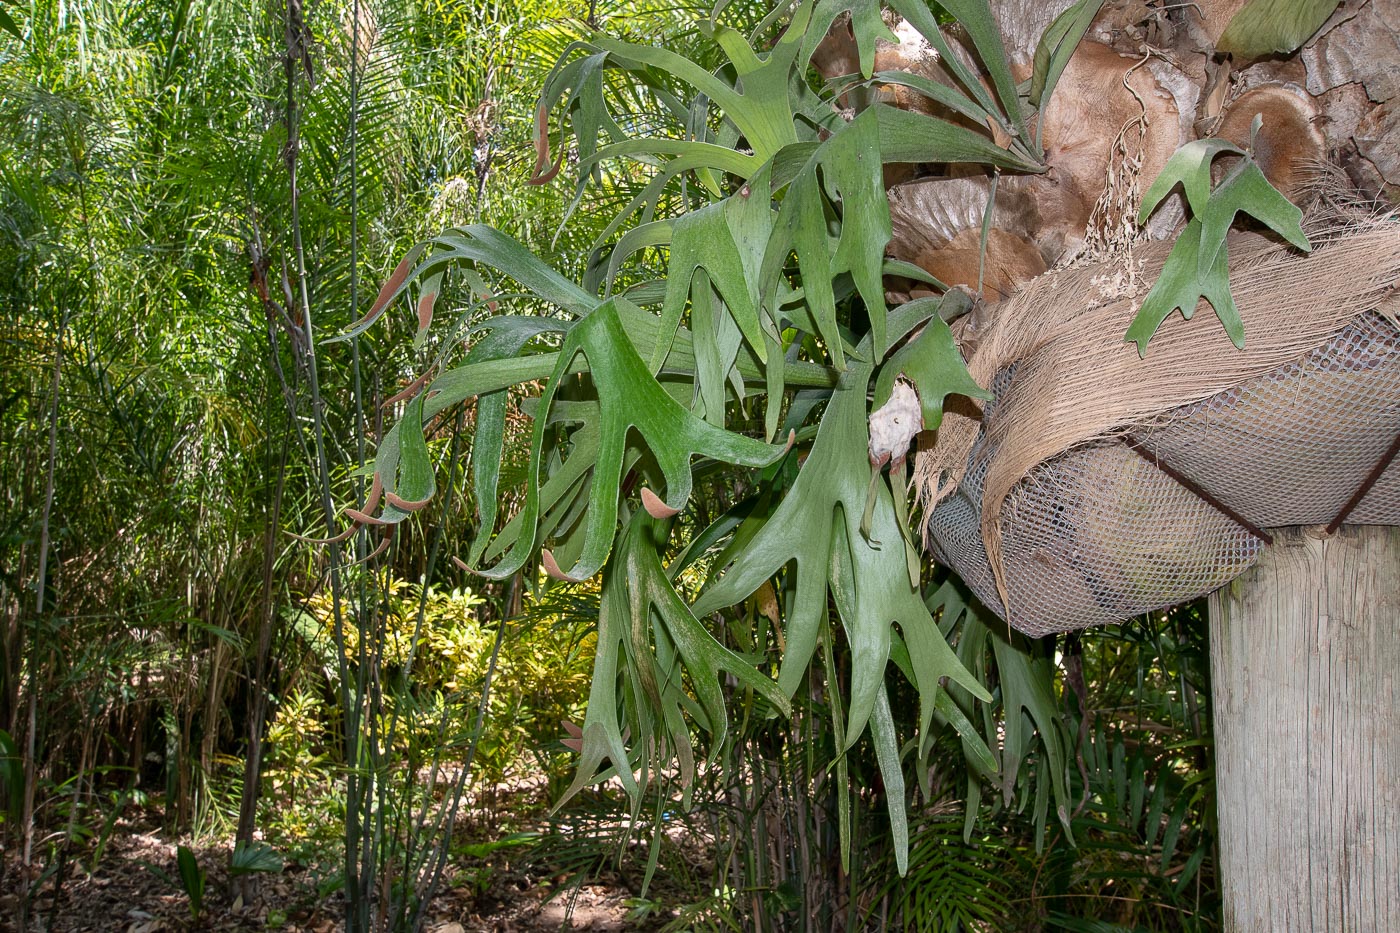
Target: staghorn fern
x,y
771,210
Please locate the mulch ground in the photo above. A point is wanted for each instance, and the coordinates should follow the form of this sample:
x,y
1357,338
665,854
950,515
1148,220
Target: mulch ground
x,y
495,892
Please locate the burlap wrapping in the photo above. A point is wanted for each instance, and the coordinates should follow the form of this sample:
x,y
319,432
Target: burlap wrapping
x,y
1097,486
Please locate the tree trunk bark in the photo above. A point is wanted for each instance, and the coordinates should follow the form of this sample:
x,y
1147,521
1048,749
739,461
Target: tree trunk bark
x,y
1305,661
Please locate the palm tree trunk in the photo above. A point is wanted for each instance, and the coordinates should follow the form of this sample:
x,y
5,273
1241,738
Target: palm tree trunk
x,y
1305,650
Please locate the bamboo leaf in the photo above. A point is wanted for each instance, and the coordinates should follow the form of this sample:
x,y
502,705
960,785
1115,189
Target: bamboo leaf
x,y
1173,830
8,24
11,776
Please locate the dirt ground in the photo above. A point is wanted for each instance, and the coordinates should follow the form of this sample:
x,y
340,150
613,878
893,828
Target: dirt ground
x,y
490,893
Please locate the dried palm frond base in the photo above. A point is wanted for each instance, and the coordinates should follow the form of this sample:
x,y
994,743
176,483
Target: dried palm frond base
x,y
1097,486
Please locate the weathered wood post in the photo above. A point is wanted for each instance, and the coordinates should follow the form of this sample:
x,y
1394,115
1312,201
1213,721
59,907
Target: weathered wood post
x,y
1305,658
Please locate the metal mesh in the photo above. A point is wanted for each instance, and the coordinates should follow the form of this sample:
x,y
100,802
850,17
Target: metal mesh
x,y
1099,533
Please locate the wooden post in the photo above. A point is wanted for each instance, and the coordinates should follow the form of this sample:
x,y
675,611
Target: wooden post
x,y
1305,661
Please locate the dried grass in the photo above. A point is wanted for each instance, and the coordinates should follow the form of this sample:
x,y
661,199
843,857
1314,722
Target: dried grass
x,y
1077,383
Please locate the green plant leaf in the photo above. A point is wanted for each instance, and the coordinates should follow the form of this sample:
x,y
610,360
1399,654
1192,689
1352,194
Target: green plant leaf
x,y
886,742
476,243
817,527
944,94
1027,687
906,136
650,645
1056,47
486,245
628,397
415,483
403,470
1246,189
850,164
601,737
727,240
717,341
8,24
398,281
1273,27
766,82
643,236
933,363
485,376
834,476
761,110
191,878
700,654
690,154
574,91
853,171
1172,833
11,776
250,857
1198,265
867,26
802,228
1026,698
974,746
988,42
975,16
1189,166
1180,286
506,337
427,297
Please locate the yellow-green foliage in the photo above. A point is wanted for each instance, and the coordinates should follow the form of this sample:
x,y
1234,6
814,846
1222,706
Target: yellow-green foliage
x,y
540,680
297,774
